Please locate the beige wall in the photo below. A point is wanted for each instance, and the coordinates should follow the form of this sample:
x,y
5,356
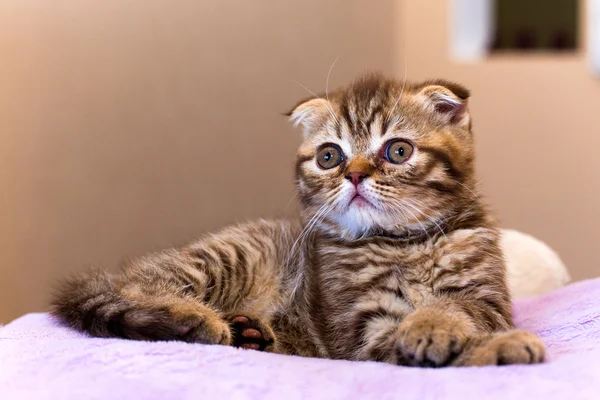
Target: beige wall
x,y
127,126
537,124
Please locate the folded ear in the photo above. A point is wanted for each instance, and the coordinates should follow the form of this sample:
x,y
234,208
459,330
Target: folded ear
x,y
309,113
448,100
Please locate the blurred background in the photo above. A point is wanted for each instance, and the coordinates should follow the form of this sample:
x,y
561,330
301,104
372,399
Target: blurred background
x,y
130,126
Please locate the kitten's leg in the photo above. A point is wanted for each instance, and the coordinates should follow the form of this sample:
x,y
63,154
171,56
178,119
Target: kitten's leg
x,y
182,294
446,330
96,304
466,310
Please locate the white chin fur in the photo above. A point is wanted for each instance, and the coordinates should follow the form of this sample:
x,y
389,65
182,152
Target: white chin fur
x,y
358,221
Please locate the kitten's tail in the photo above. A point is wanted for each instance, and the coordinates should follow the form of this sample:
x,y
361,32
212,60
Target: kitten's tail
x,y
90,302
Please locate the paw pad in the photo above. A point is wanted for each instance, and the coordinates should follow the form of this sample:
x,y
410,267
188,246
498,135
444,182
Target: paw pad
x,y
248,333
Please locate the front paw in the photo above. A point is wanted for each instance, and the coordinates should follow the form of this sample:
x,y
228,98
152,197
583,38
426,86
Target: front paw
x,y
431,338
503,348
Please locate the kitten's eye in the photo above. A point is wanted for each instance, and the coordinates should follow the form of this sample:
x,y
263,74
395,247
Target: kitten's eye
x,y
329,156
398,151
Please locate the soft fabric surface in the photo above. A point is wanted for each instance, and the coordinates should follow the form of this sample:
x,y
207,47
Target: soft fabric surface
x,y
42,360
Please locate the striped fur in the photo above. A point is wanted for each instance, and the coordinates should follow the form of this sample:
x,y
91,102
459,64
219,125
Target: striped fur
x,y
411,274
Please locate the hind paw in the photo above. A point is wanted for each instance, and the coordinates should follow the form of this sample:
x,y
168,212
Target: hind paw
x,y
251,333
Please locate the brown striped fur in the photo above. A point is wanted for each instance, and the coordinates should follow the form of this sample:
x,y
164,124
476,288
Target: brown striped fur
x,y
411,275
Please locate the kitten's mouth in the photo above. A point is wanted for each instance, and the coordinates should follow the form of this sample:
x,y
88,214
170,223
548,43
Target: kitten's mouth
x,y
360,201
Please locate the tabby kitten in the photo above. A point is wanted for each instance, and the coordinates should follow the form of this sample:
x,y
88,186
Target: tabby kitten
x,y
394,258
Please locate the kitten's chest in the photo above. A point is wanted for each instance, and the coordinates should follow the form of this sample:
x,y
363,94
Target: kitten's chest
x,y
368,258
416,269
400,270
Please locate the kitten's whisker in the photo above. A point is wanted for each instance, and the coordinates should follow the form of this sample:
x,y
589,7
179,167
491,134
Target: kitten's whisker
x,y
434,209
327,81
423,205
387,118
402,206
314,217
306,232
294,196
291,253
407,202
415,204
316,220
475,195
320,213
398,212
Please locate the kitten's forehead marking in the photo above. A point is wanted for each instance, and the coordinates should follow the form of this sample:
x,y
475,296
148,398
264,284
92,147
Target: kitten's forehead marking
x,y
363,125
394,130
356,132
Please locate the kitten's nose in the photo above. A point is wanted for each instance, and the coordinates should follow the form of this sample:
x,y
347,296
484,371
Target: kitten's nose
x,y
359,169
356,177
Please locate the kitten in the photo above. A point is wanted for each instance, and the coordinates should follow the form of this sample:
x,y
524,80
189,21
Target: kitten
x,y
394,259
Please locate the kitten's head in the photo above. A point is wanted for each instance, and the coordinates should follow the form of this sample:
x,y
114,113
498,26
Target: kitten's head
x,y
382,156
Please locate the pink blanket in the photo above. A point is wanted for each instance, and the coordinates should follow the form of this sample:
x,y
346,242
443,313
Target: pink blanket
x,y
42,360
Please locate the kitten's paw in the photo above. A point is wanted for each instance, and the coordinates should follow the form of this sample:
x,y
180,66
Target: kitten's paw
x,y
252,333
503,348
430,338
188,323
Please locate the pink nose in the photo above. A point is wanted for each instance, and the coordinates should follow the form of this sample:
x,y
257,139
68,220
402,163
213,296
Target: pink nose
x,y
356,177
